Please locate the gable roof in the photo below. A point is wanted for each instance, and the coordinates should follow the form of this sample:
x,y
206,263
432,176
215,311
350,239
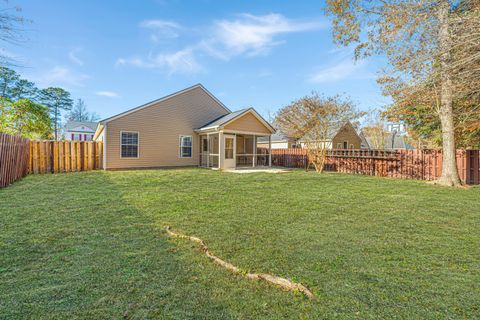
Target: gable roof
x,y
163,99
226,119
70,125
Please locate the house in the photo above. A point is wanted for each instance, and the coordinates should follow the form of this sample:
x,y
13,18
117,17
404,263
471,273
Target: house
x,y
188,128
346,137
79,131
278,141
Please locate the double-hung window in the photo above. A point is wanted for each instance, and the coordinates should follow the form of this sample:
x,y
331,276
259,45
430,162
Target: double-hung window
x,y
129,144
185,146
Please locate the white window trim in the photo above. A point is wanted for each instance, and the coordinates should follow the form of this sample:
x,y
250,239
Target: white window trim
x,y
138,144
180,146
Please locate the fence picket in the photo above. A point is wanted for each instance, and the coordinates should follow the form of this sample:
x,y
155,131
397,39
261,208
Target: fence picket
x,y
14,158
404,164
20,156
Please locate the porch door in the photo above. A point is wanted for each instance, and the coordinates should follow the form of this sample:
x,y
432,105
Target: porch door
x,y
230,156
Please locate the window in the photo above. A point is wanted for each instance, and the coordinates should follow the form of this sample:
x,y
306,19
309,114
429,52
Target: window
x,y
129,144
345,144
339,145
185,146
352,146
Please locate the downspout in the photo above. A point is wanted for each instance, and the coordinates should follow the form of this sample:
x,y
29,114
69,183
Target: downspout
x,y
105,147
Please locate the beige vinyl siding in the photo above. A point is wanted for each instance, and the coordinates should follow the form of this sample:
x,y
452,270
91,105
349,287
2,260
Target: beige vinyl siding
x,y
160,127
100,137
349,134
248,123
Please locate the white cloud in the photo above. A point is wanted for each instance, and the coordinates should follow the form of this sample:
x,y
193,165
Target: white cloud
x,y
254,35
72,55
7,54
245,35
61,76
132,61
109,94
344,69
161,29
156,24
182,61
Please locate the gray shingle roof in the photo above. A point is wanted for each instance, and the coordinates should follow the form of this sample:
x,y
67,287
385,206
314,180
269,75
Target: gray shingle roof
x,y
224,119
276,137
397,143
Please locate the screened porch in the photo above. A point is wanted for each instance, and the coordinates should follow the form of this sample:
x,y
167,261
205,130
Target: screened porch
x,y
229,150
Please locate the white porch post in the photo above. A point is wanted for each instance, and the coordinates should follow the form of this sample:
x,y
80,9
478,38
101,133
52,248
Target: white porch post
x,y
254,151
220,148
270,150
208,150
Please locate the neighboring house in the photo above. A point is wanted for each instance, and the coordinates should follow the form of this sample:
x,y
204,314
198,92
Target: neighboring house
x,y
347,138
279,141
79,131
187,128
344,138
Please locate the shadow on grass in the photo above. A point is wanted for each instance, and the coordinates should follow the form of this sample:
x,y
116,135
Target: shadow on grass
x,y
92,245
71,247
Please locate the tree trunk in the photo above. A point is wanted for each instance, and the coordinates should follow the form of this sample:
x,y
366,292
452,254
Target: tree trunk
x,y
56,121
449,175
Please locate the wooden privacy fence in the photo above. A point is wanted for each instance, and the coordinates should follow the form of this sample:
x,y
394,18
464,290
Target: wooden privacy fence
x,y
407,164
14,154
19,156
65,156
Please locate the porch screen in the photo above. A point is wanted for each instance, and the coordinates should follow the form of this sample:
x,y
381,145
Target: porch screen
x,y
228,148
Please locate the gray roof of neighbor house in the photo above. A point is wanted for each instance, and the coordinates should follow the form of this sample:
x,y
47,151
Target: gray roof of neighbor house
x,y
70,125
280,137
276,137
392,142
365,143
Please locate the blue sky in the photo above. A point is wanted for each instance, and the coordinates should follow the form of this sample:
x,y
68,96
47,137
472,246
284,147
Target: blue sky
x,y
119,54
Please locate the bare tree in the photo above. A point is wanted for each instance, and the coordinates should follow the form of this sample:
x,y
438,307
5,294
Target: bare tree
x,y
11,30
375,130
80,113
425,41
314,119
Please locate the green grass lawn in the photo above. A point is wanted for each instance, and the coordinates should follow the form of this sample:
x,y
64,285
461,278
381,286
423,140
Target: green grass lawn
x,y
93,245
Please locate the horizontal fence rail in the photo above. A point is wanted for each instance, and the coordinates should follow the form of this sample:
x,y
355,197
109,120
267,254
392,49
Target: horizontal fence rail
x,y
65,156
14,154
406,164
